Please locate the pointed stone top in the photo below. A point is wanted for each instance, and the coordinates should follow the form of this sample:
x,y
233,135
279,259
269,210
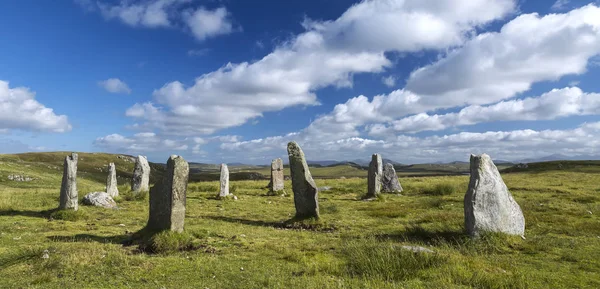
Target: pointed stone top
x,y
73,156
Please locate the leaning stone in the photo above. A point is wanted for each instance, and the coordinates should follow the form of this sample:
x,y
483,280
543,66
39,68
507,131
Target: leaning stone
x,y
276,175
167,197
306,194
141,175
99,199
224,189
389,180
68,188
374,176
489,206
111,181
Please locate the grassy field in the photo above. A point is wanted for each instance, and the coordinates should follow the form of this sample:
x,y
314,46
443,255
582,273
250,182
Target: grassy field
x,y
357,244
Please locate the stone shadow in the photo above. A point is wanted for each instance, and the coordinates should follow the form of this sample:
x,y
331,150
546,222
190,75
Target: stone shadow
x,y
124,240
430,237
45,214
295,223
257,223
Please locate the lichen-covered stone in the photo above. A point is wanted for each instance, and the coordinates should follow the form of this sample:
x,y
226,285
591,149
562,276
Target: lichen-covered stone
x,y
68,188
374,176
111,181
224,181
276,183
99,199
489,206
306,193
167,197
389,180
141,175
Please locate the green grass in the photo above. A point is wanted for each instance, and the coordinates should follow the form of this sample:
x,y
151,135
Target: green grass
x,y
253,242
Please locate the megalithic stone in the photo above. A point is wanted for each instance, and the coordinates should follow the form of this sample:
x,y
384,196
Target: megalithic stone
x,y
489,206
167,197
111,181
276,175
224,188
306,193
374,176
389,180
141,175
68,188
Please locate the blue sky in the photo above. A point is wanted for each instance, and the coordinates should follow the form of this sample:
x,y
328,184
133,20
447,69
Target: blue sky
x,y
234,81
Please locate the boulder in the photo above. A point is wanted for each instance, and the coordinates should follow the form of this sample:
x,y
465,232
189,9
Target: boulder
x,y
68,187
99,199
111,181
374,176
141,175
306,193
489,206
168,197
389,180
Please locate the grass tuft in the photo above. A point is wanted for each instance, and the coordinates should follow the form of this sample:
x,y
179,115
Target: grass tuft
x,y
69,215
134,196
442,189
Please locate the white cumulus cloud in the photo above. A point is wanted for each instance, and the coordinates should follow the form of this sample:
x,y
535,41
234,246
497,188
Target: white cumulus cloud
x,y
115,85
19,110
206,23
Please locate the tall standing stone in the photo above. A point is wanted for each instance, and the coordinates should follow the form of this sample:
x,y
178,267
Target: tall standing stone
x,y
68,188
489,206
167,197
141,175
111,181
276,175
374,176
389,180
224,189
306,193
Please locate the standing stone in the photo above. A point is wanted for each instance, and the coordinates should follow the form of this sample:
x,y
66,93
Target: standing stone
x,y
167,197
111,181
224,190
276,175
68,188
306,194
489,206
389,180
141,175
375,173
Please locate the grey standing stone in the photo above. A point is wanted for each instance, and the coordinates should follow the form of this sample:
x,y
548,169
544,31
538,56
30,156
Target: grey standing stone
x,y
99,199
111,181
374,176
389,180
489,206
68,188
276,175
306,193
141,175
224,189
167,197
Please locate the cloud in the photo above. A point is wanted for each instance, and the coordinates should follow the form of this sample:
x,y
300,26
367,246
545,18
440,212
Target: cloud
x,y
115,85
560,4
138,143
498,65
511,145
206,23
140,13
555,104
19,110
198,52
328,53
389,81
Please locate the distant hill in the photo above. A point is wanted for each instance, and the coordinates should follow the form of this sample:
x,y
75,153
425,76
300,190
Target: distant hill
x,y
561,157
562,165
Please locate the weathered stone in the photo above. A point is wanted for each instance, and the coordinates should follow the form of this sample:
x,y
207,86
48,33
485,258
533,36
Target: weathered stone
x,y
20,178
167,197
276,175
224,189
99,199
374,176
489,206
389,180
111,181
417,249
68,188
306,193
141,175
